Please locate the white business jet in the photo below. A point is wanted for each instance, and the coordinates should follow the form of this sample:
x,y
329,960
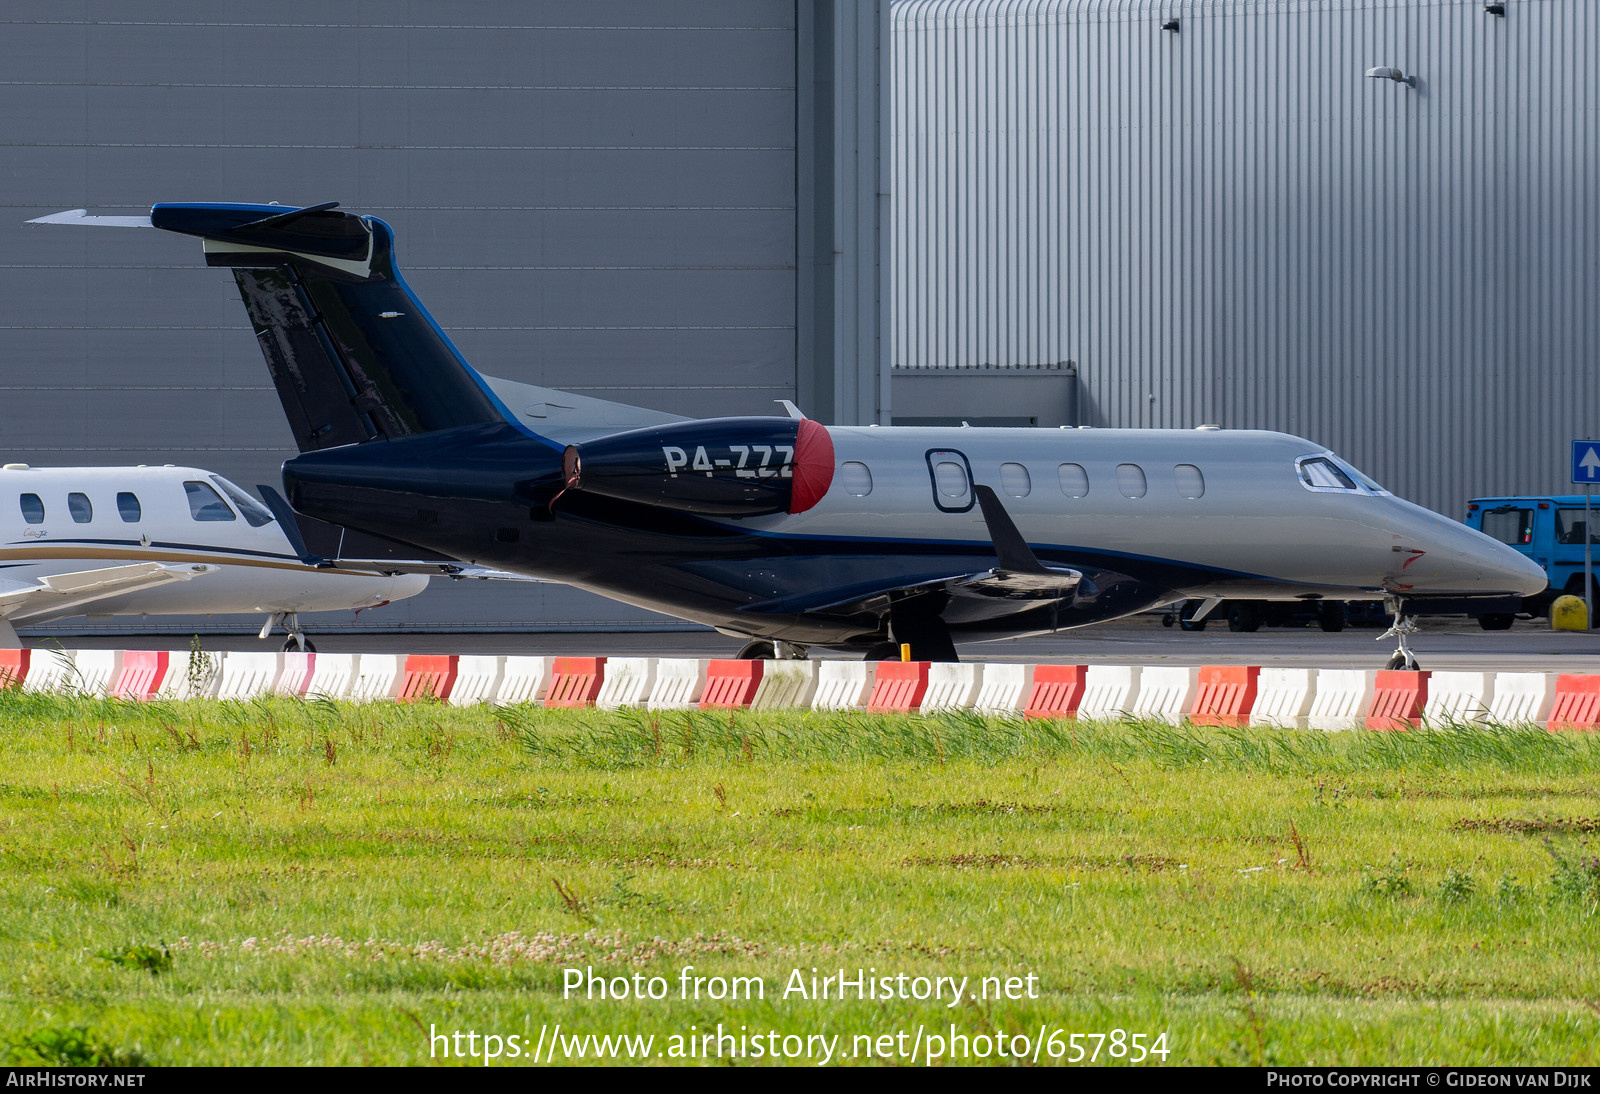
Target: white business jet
x,y
110,541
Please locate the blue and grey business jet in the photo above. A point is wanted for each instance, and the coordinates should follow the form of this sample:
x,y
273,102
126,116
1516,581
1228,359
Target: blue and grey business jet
x,y
781,530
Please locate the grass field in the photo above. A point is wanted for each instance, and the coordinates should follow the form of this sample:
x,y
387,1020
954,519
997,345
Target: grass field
x,y
287,883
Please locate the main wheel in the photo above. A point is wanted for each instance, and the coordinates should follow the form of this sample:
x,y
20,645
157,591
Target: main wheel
x,y
758,649
1497,621
883,651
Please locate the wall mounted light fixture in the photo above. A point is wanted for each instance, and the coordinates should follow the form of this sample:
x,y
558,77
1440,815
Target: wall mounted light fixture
x,y
1170,24
1495,9
1386,73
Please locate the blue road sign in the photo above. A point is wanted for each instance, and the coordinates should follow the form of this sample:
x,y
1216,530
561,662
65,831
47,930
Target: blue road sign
x,y
1586,462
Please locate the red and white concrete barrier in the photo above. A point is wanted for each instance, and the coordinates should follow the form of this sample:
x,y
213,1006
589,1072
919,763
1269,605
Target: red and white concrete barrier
x,y
1342,699
628,682
1284,698
1003,688
786,685
952,686
844,685
1521,698
524,679
1109,692
1166,692
680,683
1458,697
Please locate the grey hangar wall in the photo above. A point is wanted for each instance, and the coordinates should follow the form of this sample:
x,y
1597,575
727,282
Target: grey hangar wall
x,y
615,197
1227,222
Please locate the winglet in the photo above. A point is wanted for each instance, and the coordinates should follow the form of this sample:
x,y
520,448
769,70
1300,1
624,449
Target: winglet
x,y
290,526
1014,553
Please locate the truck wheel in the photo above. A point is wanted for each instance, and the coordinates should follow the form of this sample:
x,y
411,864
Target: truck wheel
x,y
1496,621
1244,617
1331,616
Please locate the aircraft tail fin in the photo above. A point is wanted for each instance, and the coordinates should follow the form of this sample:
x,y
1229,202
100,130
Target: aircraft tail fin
x,y
352,352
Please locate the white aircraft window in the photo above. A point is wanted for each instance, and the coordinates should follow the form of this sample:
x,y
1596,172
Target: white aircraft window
x,y
1014,480
78,505
952,479
205,503
254,512
1131,481
1074,480
856,478
128,507
32,509
1190,482
1321,473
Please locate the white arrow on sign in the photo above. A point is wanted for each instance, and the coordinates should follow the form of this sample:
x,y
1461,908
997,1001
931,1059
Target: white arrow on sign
x,y
1590,462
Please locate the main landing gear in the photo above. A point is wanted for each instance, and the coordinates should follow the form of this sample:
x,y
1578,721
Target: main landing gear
x,y
1402,629
767,649
297,639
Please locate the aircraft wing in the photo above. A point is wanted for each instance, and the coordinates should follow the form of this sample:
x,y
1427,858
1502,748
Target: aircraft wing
x,y
70,594
1058,583
1018,575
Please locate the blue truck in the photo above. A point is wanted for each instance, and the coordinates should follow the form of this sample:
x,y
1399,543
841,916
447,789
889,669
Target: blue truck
x,y
1548,529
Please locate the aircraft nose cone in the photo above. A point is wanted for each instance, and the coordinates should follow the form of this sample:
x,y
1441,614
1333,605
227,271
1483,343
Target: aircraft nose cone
x,y
1462,560
1526,577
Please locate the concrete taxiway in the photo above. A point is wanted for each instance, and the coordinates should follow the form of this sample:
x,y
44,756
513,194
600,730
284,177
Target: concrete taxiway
x,y
1442,645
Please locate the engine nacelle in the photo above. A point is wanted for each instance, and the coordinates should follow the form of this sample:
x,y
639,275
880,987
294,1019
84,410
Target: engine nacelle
x,y
722,467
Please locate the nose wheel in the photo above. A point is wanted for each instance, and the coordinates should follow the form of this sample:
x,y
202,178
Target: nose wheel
x,y
1401,630
297,640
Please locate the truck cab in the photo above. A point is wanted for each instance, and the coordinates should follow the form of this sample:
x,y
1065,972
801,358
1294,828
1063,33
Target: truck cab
x,y
1551,530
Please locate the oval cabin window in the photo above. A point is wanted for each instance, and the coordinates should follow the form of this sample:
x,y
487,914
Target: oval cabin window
x,y
32,509
856,478
1131,481
1190,483
1014,480
78,505
952,479
128,507
1074,480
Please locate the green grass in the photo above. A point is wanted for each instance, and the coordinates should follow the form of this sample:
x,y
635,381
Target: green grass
x,y
283,883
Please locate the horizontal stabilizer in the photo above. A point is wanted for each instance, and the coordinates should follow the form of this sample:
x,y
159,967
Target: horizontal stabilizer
x,y
324,544
84,218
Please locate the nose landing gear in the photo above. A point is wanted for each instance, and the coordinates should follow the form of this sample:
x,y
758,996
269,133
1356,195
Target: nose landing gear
x,y
1402,629
297,639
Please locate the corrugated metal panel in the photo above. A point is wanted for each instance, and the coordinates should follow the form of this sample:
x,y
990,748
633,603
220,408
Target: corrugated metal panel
x,y
599,197
1229,223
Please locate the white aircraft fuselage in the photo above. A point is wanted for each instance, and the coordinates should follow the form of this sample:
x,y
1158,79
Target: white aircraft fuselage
x,y
120,541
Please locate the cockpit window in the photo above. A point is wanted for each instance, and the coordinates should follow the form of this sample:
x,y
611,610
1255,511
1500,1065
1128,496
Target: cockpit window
x,y
205,503
1321,473
254,512
1364,480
